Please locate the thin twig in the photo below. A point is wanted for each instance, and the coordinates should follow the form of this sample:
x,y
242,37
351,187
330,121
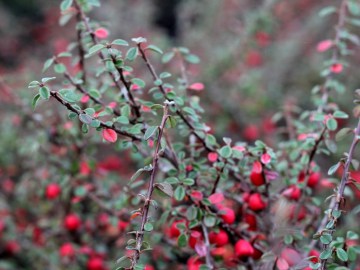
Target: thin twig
x,y
70,107
145,209
208,258
340,191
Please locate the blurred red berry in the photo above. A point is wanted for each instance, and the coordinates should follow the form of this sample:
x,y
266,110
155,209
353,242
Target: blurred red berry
x,y
256,203
52,191
243,248
67,250
72,222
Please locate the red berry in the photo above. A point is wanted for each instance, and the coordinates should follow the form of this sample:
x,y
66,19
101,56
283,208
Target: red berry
x,y
227,215
12,247
314,179
95,263
293,192
52,191
219,239
174,231
243,248
251,221
149,267
72,222
67,250
257,179
256,203
316,254
193,263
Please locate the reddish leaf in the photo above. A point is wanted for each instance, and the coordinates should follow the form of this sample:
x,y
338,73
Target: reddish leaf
x,y
109,135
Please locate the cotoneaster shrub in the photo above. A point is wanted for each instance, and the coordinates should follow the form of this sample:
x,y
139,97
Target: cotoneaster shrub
x,y
194,201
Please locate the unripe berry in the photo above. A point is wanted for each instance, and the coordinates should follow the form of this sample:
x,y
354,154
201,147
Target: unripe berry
x,y
256,203
52,191
243,248
219,239
72,222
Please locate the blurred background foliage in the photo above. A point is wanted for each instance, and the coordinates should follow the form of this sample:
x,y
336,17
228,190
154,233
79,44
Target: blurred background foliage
x,y
257,58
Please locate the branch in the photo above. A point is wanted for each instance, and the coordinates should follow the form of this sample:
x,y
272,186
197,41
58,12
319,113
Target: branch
x,y
340,192
162,89
84,91
145,209
70,107
207,246
335,55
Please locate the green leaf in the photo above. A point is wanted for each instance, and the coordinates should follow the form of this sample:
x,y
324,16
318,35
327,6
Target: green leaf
x,y
33,84
84,128
65,4
125,110
179,193
120,42
342,255
210,221
138,82
154,48
148,227
351,254
69,95
96,48
167,57
188,182
171,121
325,254
95,123
326,239
94,93
182,240
47,64
342,133
44,92
165,75
35,101
86,119
192,58
354,8
225,151
59,68
288,239
132,53
139,40
334,168
122,120
191,213
45,80
64,54
340,114
165,188
138,172
331,124
149,132
327,11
